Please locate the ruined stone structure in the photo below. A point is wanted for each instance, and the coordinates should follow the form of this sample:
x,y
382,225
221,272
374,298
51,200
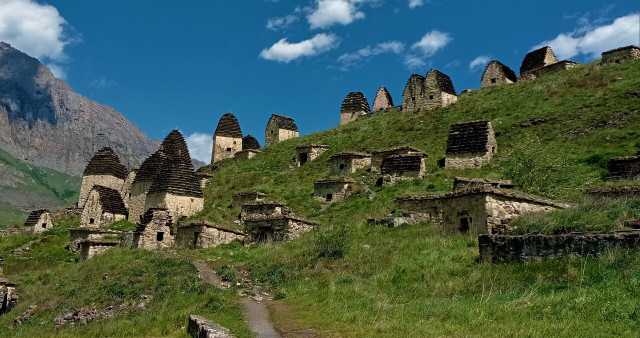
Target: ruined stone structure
x,y
90,249
403,167
103,207
227,139
103,169
200,327
621,54
378,156
477,210
614,192
535,247
537,59
464,183
279,128
246,154
470,145
247,197
309,152
277,228
497,74
342,164
354,105
250,142
623,168
82,234
204,178
150,168
263,209
8,295
155,230
383,100
205,235
38,221
433,91
126,187
333,190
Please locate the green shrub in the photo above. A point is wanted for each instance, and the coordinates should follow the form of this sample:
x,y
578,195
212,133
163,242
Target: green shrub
x,y
332,243
226,273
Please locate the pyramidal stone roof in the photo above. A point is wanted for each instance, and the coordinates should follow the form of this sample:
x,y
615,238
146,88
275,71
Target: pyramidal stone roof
x,y
177,177
355,102
151,167
110,200
105,162
468,137
508,72
284,122
443,80
175,145
535,59
250,142
34,217
228,126
383,99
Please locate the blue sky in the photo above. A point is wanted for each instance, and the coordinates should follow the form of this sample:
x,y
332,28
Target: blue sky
x,y
166,63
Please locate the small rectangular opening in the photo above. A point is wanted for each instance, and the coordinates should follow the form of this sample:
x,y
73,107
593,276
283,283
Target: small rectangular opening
x,y
493,150
329,197
304,157
413,99
229,149
92,221
159,236
44,225
493,80
195,239
464,224
430,97
342,166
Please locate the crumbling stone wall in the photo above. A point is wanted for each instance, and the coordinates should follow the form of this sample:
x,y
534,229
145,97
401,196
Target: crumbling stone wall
x,y
623,168
536,59
8,296
138,199
275,229
89,181
204,235
402,167
438,91
178,206
308,153
200,327
38,222
275,133
225,147
333,190
353,106
154,232
347,163
238,199
378,156
261,209
550,69
620,55
497,74
126,186
470,145
463,183
511,249
78,235
614,192
246,154
413,94
501,210
383,100
90,249
94,215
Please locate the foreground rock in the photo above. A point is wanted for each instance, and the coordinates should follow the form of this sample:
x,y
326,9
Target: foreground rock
x,y
202,328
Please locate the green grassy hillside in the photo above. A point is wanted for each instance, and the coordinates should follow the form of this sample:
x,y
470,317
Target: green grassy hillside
x,y
25,187
345,278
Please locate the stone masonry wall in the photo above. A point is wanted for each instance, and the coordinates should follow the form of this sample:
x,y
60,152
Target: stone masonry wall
x,y
511,249
78,235
502,210
620,55
178,206
466,161
93,210
343,166
138,200
90,249
494,75
45,219
413,94
275,134
225,147
310,152
203,236
125,191
339,191
246,154
88,182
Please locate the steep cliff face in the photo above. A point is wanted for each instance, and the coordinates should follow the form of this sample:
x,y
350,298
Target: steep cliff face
x,y
44,122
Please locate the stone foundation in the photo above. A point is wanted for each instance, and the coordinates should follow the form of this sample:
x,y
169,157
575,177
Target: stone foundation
x,y
78,235
511,249
225,147
90,249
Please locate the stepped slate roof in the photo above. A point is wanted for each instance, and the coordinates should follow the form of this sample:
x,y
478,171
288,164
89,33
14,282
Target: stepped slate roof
x,y
443,80
333,181
250,142
284,122
228,126
508,72
34,217
468,137
148,217
105,162
482,190
349,155
535,59
151,167
110,200
354,102
401,163
175,145
177,177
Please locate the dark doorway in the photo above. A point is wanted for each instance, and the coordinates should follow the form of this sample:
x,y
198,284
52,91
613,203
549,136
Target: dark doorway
x,y
265,235
465,222
44,225
329,197
159,236
195,239
304,157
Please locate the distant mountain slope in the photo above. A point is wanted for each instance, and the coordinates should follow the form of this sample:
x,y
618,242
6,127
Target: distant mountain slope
x,y
44,122
24,187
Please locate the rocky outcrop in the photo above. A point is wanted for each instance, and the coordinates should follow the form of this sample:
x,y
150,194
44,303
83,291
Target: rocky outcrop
x,y
44,122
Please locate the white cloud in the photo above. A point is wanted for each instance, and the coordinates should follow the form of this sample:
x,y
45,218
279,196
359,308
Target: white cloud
x,y
479,62
350,60
415,3
284,51
592,41
36,29
281,22
103,83
200,146
426,47
327,13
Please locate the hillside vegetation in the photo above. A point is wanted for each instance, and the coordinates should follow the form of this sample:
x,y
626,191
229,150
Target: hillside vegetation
x,y
25,187
555,136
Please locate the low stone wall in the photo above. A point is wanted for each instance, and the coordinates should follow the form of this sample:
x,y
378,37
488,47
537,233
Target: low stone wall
x,y
204,235
78,235
202,328
90,249
509,249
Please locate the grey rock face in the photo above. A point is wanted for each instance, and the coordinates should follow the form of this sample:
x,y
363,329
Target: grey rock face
x,y
44,122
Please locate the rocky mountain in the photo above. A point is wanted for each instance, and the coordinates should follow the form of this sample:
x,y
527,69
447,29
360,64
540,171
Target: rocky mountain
x,y
45,123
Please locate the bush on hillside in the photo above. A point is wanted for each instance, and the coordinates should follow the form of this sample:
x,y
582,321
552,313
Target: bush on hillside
x,y
332,243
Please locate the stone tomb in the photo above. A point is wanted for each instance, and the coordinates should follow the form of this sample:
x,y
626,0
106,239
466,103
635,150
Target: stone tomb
x,y
247,197
8,295
433,91
413,94
155,230
614,192
227,139
621,54
103,169
38,221
276,228
90,249
246,154
250,142
204,179
279,128
205,235
353,106
308,153
403,167
342,164
623,168
536,59
470,145
383,100
263,209
82,234
497,74
103,207
477,210
464,183
333,190
378,156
